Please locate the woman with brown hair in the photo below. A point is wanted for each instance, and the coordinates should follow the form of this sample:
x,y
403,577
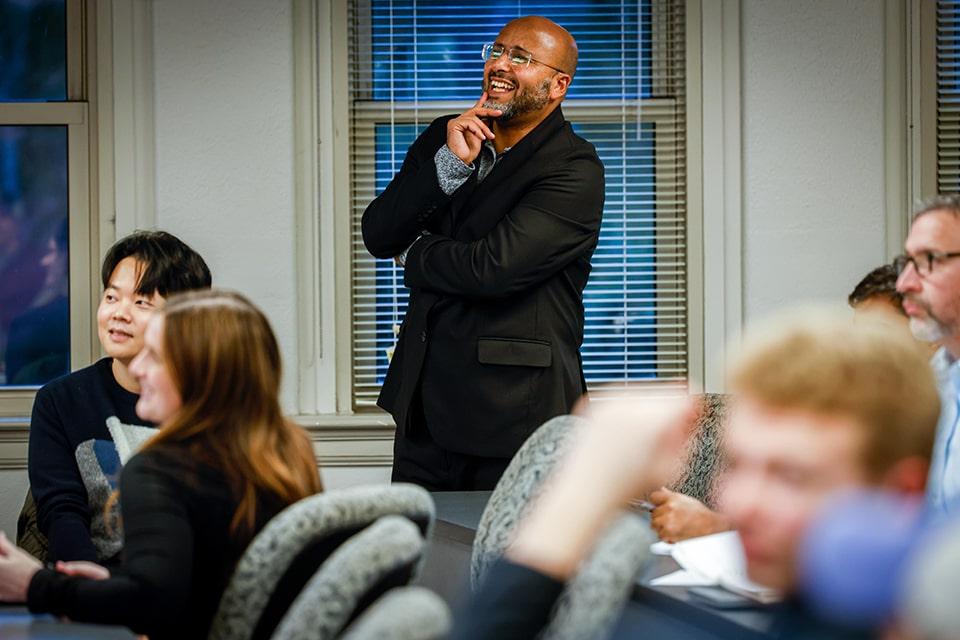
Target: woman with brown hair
x,y
224,462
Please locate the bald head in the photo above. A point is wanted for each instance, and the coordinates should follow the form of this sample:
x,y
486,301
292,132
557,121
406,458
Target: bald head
x,y
554,44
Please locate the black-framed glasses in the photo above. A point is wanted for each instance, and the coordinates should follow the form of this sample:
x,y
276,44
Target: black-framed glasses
x,y
923,262
517,56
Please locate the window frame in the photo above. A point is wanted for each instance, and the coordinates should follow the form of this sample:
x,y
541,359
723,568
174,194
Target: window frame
x,y
109,113
75,114
325,375
922,65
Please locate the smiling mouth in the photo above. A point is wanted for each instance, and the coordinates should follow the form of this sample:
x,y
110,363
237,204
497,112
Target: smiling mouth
x,y
117,333
498,85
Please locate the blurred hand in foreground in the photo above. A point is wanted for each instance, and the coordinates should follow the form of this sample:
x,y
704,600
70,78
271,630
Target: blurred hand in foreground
x,y
629,446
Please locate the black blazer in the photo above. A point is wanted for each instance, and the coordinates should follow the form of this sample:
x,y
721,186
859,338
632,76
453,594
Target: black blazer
x,y
495,319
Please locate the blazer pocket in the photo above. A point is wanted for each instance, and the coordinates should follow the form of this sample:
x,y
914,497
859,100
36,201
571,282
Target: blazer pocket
x,y
514,351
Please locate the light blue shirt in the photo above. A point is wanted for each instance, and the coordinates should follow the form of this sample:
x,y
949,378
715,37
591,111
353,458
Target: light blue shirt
x,y
943,485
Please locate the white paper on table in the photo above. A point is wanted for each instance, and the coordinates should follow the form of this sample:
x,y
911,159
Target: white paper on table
x,y
719,559
681,578
661,548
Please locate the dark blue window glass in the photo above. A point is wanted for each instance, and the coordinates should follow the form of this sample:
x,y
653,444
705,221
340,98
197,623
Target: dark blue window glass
x,y
34,258
620,331
33,50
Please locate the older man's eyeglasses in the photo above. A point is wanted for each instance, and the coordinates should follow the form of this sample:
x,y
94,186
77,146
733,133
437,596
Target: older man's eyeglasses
x,y
923,262
517,57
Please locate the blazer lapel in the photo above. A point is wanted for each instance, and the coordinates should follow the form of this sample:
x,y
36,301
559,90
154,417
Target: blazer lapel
x,y
511,163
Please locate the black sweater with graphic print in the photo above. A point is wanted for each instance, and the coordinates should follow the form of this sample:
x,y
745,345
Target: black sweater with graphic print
x,y
68,412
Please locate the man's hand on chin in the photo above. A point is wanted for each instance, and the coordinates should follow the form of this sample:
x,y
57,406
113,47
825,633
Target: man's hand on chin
x,y
466,132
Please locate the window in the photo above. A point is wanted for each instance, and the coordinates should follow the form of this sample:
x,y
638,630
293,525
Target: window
x,y
948,96
412,61
43,197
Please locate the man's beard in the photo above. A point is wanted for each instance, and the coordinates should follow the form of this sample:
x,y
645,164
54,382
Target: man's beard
x,y
928,328
525,101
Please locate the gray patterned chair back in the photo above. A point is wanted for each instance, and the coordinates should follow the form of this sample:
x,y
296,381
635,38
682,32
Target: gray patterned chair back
x,y
363,568
516,489
311,528
592,600
404,613
704,461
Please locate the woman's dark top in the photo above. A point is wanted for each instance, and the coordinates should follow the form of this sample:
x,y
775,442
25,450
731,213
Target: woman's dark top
x,y
178,552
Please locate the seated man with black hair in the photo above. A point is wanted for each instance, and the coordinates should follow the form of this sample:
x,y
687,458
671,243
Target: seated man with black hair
x,y
84,424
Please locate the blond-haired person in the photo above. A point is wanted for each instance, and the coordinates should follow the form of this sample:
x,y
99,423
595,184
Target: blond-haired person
x,y
677,516
224,461
823,405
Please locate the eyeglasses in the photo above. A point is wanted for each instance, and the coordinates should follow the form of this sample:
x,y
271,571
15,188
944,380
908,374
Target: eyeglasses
x,y
517,57
923,262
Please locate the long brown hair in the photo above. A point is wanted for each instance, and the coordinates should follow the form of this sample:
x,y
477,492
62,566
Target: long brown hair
x,y
224,360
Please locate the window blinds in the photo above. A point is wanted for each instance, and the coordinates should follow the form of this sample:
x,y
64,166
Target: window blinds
x,y
412,61
948,96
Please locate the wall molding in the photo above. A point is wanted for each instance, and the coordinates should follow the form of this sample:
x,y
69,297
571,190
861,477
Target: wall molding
x,y
358,440
362,440
13,448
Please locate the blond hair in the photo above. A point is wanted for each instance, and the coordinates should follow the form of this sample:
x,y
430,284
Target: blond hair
x,y
820,361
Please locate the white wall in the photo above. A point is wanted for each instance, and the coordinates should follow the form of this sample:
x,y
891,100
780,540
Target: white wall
x,y
224,148
813,142
813,190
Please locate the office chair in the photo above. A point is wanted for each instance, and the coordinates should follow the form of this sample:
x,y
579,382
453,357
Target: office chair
x,y
404,613
286,554
379,558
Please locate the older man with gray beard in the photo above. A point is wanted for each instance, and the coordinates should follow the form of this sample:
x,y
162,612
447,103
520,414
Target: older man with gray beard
x,y
929,280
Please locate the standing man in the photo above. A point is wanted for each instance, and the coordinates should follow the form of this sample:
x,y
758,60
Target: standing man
x,y
930,283
494,215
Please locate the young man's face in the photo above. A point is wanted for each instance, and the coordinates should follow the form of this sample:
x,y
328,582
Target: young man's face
x,y
783,467
123,313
